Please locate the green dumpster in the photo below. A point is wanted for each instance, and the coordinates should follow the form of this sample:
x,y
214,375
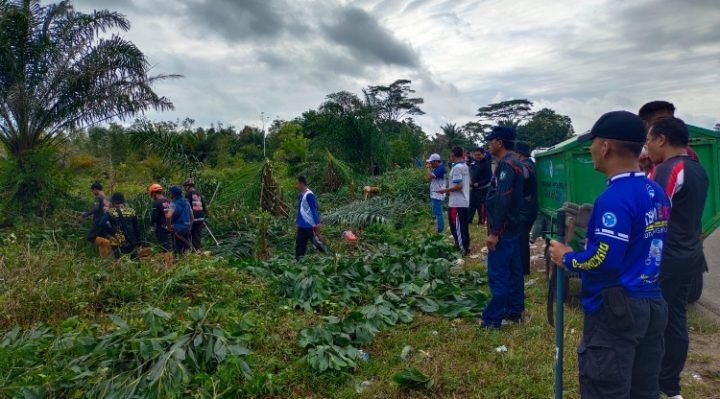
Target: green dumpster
x,y
565,173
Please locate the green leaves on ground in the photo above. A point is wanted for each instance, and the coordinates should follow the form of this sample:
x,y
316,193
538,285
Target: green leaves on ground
x,y
158,358
366,293
413,378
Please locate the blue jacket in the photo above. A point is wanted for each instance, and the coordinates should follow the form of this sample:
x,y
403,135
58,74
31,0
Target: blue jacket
x,y
307,214
625,238
180,219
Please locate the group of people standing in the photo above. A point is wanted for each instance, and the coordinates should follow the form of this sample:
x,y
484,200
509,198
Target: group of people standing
x,y
643,248
505,199
177,222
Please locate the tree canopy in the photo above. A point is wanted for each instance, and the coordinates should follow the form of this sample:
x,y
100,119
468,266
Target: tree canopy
x,y
546,128
59,71
507,113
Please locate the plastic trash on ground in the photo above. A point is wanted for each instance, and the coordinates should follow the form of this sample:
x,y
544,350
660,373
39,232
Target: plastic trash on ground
x,y
362,386
348,235
406,352
501,349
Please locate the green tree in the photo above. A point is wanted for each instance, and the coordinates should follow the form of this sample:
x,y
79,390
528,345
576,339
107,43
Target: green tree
x,y
292,145
60,70
546,128
393,102
507,113
451,136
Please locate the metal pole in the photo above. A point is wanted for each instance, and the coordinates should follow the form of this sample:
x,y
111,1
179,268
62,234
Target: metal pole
x,y
559,331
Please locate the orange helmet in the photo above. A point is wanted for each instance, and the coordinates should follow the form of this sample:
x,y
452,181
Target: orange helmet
x,y
154,188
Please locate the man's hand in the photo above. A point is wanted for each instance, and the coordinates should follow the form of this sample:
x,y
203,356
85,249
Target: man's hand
x,y
442,191
316,229
558,251
491,242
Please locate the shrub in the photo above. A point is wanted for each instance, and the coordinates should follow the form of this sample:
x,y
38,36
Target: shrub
x,y
34,184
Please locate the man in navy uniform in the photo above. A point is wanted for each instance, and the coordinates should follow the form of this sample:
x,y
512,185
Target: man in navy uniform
x,y
480,174
529,209
625,315
504,202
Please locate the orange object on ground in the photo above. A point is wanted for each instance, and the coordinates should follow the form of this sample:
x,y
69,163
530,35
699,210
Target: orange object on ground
x,y
103,246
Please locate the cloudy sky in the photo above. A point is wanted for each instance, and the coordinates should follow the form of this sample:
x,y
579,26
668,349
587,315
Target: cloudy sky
x,y
281,57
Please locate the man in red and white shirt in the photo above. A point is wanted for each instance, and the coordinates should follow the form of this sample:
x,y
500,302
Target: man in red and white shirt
x,y
686,183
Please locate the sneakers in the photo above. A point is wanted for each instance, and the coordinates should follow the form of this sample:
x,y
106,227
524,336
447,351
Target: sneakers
x,y
675,397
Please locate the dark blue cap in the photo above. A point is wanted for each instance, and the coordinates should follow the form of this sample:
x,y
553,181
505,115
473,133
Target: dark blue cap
x,y
617,125
502,133
175,191
523,148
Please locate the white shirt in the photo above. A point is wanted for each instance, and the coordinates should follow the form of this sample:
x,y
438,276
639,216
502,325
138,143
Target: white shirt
x,y
460,174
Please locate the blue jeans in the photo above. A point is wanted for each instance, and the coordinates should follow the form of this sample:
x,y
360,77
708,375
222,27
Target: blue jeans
x,y
507,286
437,209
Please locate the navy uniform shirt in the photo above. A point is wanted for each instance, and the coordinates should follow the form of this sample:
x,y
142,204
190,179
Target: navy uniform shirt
x,y
505,197
625,239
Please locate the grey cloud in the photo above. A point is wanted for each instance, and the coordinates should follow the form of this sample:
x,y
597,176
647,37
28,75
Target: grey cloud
x,y
359,32
243,20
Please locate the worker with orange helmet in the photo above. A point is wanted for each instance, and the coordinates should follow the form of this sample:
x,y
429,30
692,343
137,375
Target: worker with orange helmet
x,y
158,217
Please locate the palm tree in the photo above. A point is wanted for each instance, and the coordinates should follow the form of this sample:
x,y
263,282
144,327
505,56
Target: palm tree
x,y
454,136
58,71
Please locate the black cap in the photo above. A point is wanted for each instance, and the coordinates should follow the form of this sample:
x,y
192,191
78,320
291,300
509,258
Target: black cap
x,y
523,148
617,125
117,198
502,132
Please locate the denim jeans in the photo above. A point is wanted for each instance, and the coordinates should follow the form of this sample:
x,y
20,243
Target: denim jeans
x,y
437,209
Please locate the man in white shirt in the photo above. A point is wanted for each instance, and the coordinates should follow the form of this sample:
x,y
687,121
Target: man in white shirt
x,y
459,202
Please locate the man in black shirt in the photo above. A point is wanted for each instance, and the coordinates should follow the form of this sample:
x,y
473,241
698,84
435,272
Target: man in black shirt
x,y
686,183
120,223
100,206
199,211
480,175
529,210
158,217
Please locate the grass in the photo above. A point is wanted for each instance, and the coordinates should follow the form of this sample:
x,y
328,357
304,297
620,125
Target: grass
x,y
51,283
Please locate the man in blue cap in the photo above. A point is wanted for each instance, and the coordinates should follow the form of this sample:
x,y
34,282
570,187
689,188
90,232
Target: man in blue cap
x,y
504,202
180,220
621,350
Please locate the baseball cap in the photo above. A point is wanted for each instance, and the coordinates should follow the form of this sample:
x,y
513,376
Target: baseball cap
x,y
523,148
617,125
501,132
434,157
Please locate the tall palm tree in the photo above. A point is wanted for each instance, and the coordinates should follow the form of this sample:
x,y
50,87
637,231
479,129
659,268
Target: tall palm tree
x,y
454,136
58,71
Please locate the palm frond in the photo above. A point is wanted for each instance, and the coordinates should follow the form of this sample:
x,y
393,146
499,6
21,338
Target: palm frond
x,y
377,210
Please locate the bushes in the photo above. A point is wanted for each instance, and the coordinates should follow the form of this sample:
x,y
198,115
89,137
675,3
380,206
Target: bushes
x,y
34,184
